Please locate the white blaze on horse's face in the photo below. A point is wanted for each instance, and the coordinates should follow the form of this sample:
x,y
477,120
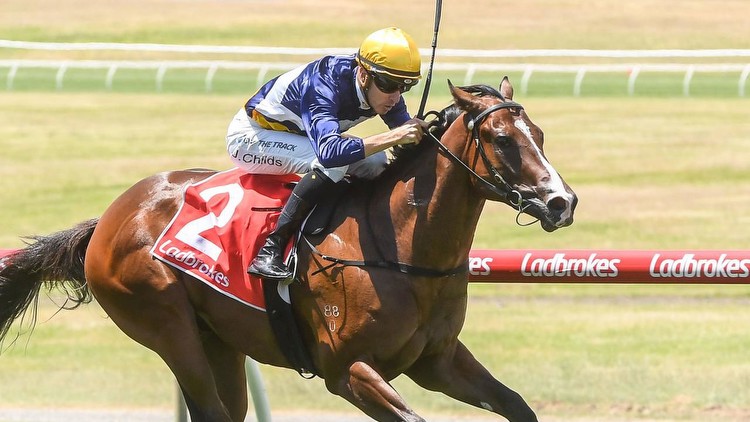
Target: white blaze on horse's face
x,y
554,185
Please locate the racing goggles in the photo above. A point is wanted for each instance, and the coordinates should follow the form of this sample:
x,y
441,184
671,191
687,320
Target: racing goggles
x,y
389,86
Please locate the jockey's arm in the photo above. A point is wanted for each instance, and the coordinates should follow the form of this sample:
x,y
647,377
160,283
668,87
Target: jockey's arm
x,y
320,107
409,133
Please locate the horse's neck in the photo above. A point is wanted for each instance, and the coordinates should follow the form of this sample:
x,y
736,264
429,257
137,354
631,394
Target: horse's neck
x,y
432,208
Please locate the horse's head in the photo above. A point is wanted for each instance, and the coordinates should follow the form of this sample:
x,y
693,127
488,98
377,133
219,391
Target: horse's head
x,y
506,152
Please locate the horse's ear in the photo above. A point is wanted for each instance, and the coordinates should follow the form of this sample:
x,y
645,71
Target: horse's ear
x,y
506,89
465,100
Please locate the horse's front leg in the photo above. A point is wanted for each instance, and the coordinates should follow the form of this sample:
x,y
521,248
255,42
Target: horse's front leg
x,y
365,388
458,374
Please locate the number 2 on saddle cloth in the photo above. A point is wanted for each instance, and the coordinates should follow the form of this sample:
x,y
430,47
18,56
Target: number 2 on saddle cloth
x,y
222,223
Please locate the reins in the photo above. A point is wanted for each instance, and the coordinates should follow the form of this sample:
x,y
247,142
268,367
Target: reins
x,y
389,265
501,188
504,190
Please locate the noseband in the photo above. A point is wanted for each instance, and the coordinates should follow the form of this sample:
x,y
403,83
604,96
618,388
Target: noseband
x,y
501,187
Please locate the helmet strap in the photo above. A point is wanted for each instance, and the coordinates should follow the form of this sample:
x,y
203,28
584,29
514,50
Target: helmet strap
x,y
366,84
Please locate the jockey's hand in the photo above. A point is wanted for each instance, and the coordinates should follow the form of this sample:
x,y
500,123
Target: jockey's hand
x,y
412,131
409,133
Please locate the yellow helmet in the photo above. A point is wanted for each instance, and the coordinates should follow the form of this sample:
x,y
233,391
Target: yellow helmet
x,y
393,54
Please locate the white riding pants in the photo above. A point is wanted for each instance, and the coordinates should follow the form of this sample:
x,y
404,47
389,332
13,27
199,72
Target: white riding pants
x,y
259,150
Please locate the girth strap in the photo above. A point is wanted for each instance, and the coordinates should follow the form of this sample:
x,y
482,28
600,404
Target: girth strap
x,y
287,332
390,265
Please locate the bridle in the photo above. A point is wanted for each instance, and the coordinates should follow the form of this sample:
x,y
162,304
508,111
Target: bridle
x,y
501,187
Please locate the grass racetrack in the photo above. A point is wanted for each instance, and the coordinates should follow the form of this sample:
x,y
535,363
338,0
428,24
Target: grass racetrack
x,y
652,172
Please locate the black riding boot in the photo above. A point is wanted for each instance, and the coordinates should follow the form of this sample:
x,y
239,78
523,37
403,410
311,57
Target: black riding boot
x,y
269,263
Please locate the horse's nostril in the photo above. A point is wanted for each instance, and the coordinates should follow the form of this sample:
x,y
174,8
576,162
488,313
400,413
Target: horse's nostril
x,y
557,204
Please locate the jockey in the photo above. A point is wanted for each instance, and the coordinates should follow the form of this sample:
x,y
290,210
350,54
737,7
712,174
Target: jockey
x,y
296,123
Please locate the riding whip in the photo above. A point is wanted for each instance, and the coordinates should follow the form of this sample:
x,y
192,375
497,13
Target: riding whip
x,y
428,80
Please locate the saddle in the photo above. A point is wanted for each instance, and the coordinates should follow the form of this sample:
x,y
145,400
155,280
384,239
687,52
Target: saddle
x,y
219,228
278,302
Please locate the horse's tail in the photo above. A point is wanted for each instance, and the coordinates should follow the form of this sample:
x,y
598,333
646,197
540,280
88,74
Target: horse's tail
x,y
54,261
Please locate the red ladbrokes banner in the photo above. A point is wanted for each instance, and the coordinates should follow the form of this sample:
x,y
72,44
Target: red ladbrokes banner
x,y
610,266
221,225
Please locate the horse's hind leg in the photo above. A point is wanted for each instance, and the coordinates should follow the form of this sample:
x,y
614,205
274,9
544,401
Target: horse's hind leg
x,y
226,378
365,388
228,367
211,379
156,312
211,374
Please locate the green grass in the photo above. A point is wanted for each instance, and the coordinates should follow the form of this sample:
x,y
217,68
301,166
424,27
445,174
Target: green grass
x,y
77,359
655,171
667,24
230,81
586,352
642,24
650,173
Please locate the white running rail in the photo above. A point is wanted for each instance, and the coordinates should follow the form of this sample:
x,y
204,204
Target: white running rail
x,y
217,49
161,68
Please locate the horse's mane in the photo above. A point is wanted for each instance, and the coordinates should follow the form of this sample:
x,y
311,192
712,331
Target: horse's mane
x,y
444,119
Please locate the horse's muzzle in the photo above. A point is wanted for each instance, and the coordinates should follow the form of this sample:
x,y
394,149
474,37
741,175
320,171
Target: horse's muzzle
x,y
561,209
555,211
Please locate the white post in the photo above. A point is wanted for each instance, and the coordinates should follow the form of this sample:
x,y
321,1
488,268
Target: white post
x,y
631,80
60,76
182,414
743,80
160,76
470,70
261,76
11,76
579,81
110,76
210,76
686,81
257,391
525,80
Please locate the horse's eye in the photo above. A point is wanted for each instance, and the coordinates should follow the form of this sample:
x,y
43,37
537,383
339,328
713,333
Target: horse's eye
x,y
503,141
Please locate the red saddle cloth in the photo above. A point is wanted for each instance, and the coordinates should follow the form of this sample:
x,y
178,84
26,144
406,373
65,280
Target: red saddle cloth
x,y
220,226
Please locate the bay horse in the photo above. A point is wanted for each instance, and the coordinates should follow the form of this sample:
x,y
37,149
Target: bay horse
x,y
362,325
